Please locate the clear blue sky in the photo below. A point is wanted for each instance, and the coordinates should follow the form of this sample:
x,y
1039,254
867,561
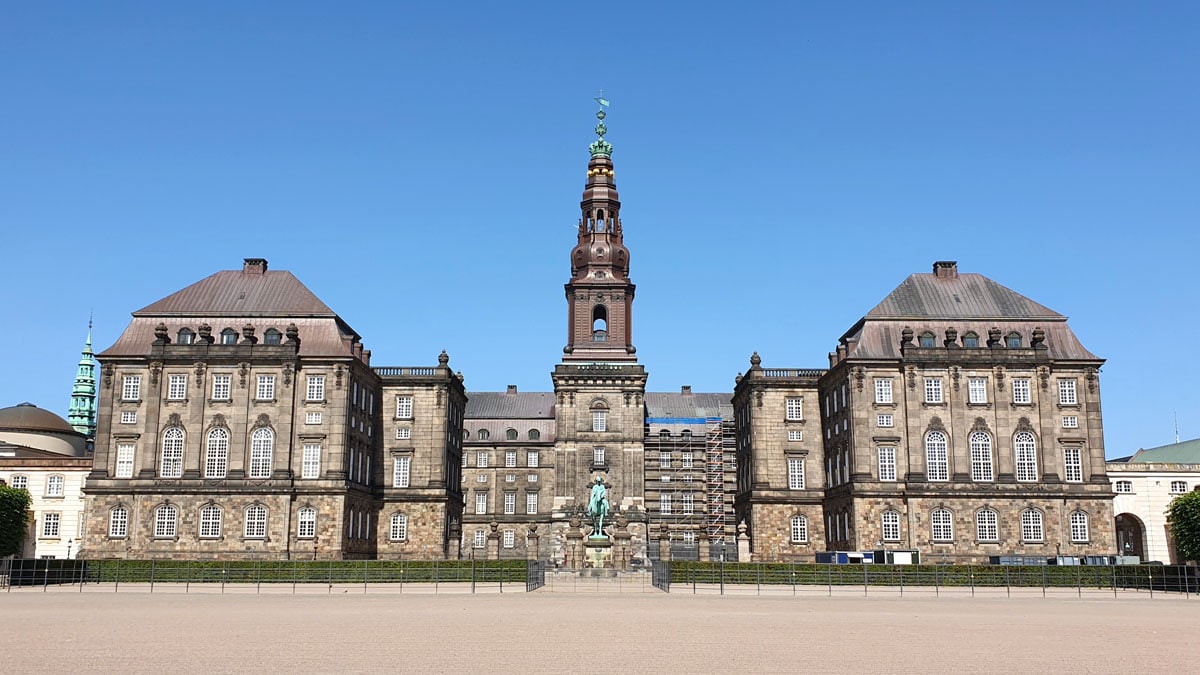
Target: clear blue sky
x,y
782,167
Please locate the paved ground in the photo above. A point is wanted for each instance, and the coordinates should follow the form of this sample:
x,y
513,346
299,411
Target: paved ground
x,y
547,632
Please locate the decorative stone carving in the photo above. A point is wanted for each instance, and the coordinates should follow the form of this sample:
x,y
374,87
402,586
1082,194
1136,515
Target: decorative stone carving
x,y
935,424
955,376
1039,339
1090,376
994,337
263,420
160,334
951,340
1044,376
860,374
443,358
243,371
218,420
1024,425
155,370
173,420
758,397
205,333
912,377
287,374
755,361
906,338
108,376
980,425
293,334
199,370
338,372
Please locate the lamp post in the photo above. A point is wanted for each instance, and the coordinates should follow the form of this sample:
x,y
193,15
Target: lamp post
x,y
69,543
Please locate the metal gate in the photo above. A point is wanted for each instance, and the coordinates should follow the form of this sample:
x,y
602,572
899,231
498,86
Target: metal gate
x,y
660,575
535,575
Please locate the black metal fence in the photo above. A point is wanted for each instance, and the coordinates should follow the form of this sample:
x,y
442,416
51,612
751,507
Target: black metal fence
x,y
660,575
535,575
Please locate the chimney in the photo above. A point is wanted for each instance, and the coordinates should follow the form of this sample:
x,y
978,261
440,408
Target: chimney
x,y
512,388
685,389
945,269
254,265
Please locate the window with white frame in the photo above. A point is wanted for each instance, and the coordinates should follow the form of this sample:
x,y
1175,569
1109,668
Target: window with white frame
x,y
937,462
794,408
664,504
262,447
176,387
481,478
124,460
599,420
19,482
479,540
306,523
216,453
210,521
1123,487
883,390
795,467
129,417
980,445
941,523
310,464
686,460
890,525
1031,525
131,388
403,433
689,538
1066,392
1178,487
256,522
510,458
1079,527
977,390
795,435
480,503
118,522
531,458
404,407
510,478
266,388
1020,390
799,530
481,459
1070,421
166,520
172,454
510,503
400,471
315,391
933,390
221,387
887,463
987,525
398,529
598,454
885,421
1073,465
312,418
532,478
50,524
1026,450
531,503
688,503
54,485
509,539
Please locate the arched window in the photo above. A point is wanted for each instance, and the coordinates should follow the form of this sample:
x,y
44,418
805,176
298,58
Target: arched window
x,y
166,518
941,523
599,323
664,433
466,434
398,531
927,340
484,435
687,435
271,337
185,336
210,521
981,457
937,462
229,336
970,340
118,522
799,530
216,454
1031,525
1013,340
262,446
256,522
171,465
534,434
510,434
1079,527
306,523
890,521
987,525
1025,447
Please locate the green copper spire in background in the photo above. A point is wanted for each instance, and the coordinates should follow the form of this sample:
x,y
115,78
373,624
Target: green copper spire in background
x,y
601,147
82,414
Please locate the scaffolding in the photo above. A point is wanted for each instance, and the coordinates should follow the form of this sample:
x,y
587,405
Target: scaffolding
x,y
714,450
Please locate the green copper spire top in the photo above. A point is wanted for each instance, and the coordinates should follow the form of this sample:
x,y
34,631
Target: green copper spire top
x,y
601,147
82,414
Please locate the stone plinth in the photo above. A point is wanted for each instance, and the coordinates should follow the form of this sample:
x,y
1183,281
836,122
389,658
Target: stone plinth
x,y
598,552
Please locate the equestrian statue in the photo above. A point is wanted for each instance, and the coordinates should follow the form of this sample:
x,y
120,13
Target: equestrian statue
x,y
597,509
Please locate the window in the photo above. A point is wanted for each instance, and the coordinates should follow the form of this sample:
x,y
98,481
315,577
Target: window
x,y
1073,465
131,388
172,454
532,478
531,502
795,409
599,420
312,418
933,390
310,464
404,407
1026,449
1066,392
598,454
185,336
256,522
799,530
210,522
480,503
1079,527
316,388
884,421
403,433
480,539
510,503
1070,422
229,336
271,337
941,523
795,473
176,387
1124,487
971,341
266,388
686,461
890,525
510,434
664,460
216,454
483,434
54,485
510,538
534,434
20,482
795,435
1020,388
987,527
883,390
166,517
531,458
664,504
977,390
220,387
887,463
1013,340
118,522
400,472
926,340
481,459
262,446
510,478
937,463
129,417
398,530
1178,487
50,524
510,458
981,457
689,504
306,523
1031,525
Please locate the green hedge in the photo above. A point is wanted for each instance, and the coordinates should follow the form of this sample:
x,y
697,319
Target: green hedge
x,y
307,571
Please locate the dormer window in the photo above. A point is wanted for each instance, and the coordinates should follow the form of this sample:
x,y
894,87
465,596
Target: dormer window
x,y
185,336
229,336
971,341
510,435
1013,340
927,340
483,434
271,337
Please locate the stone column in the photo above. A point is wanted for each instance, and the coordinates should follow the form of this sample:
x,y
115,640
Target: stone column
x,y
704,545
531,542
743,544
493,541
664,546
575,545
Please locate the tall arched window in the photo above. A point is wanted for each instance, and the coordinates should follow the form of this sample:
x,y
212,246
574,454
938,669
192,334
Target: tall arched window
x,y
941,523
981,457
890,521
262,446
216,454
185,336
171,465
256,522
271,337
599,323
987,525
799,530
210,521
306,523
1031,525
166,519
118,522
398,530
1025,447
1079,527
937,462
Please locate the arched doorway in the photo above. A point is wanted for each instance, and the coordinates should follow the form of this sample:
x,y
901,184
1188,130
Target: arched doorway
x,y
1131,535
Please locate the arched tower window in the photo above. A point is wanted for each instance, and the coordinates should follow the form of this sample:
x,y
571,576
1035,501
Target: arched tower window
x,y
599,323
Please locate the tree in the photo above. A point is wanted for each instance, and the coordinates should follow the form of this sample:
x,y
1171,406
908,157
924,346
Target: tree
x,y
14,519
1183,515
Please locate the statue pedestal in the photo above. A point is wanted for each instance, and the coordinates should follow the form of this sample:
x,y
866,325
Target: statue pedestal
x,y
598,552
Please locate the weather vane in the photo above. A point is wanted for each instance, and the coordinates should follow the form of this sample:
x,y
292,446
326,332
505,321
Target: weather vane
x,y
601,100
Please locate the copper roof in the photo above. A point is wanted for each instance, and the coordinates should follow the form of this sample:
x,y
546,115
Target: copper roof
x,y
510,405
240,293
1186,452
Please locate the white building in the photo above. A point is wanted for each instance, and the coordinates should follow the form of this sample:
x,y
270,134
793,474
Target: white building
x,y
1145,484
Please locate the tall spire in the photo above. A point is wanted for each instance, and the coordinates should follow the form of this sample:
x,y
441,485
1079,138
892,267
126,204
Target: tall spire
x,y
82,414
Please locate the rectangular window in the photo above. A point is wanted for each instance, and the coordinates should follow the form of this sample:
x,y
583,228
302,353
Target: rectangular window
x,y
480,539
887,463
1020,388
54,486
884,421
891,525
118,523
532,478
210,522
403,433
481,460
312,418
799,530
987,526
1066,392
131,388
531,458
176,387
404,407
1031,526
125,460
510,538
400,471
306,524
510,503
50,524
795,409
510,478
883,390
510,458
689,504
795,473
311,465
1123,487
531,503
599,420
481,478
316,388
480,503
933,390
399,528
941,525
598,454
664,460
128,417
664,504
221,387
1070,421
687,460
795,435
1178,487
977,390
266,388
1073,465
